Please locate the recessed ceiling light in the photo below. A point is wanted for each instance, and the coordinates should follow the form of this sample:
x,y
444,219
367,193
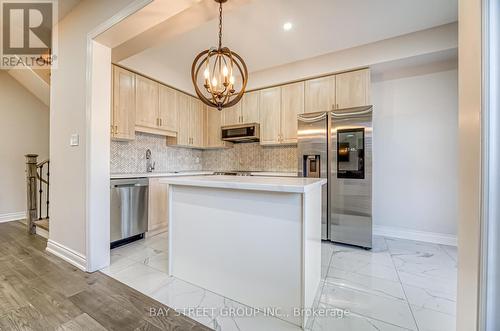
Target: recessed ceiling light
x,y
287,26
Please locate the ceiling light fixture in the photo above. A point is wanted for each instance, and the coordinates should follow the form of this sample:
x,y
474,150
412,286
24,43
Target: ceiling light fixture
x,y
287,26
222,69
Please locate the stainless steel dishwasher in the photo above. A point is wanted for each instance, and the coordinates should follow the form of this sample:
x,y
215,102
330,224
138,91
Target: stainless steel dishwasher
x,y
129,210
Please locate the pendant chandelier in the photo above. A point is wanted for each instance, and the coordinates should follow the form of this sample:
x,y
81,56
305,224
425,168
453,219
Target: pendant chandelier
x,y
225,74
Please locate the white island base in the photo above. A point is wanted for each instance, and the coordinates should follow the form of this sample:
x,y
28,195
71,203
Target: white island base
x,y
253,240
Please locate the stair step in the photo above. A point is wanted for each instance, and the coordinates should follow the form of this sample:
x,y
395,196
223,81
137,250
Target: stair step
x,y
43,224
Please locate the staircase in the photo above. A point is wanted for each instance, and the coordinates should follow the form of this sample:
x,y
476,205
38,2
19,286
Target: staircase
x,y
38,184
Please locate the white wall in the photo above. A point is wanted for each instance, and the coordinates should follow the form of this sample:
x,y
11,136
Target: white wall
x,y
24,129
68,116
416,150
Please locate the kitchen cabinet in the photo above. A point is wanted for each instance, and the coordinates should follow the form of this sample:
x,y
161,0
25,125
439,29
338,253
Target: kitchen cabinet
x,y
353,89
183,117
320,94
245,111
190,122
250,104
292,104
168,108
123,110
270,116
231,115
213,134
146,103
196,123
157,207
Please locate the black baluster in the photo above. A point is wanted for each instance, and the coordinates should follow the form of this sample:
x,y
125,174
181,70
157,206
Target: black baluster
x,y
40,191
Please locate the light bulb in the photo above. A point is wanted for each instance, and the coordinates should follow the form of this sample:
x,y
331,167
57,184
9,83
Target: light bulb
x,y
225,71
214,81
231,80
206,73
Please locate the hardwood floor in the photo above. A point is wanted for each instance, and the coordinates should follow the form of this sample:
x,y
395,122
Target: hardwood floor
x,y
39,291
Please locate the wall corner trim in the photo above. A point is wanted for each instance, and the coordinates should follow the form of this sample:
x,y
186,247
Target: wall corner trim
x,y
67,254
9,217
402,233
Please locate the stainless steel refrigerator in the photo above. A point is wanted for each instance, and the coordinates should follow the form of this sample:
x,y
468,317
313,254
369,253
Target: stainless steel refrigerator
x,y
337,145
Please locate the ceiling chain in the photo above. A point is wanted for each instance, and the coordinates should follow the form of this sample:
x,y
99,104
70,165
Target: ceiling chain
x,y
220,25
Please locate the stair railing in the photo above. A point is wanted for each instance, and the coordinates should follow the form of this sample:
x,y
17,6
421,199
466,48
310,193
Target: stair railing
x,y
38,185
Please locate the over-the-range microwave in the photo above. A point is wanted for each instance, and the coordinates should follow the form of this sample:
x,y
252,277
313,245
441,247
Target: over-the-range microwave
x,y
241,133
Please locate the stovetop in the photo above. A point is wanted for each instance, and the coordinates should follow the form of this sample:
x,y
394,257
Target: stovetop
x,y
233,173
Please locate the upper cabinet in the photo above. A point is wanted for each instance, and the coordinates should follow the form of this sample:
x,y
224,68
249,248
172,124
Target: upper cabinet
x,y
146,103
213,133
345,90
270,116
231,115
250,104
319,94
123,108
292,104
168,108
183,107
245,111
196,129
190,123
353,89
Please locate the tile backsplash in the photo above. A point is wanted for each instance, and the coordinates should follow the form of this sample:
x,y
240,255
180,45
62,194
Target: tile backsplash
x,y
130,157
252,157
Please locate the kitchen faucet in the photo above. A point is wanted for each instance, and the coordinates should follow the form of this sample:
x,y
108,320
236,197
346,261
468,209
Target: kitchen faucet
x,y
150,166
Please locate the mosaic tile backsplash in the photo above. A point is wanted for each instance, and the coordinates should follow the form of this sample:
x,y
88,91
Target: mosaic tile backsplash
x,y
129,157
252,157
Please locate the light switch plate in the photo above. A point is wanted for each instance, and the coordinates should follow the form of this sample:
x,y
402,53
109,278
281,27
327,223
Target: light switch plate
x,y
74,140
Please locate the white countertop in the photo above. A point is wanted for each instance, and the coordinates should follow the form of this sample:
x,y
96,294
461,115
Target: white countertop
x,y
161,174
276,184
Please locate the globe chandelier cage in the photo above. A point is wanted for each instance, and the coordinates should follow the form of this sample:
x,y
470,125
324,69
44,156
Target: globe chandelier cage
x,y
219,75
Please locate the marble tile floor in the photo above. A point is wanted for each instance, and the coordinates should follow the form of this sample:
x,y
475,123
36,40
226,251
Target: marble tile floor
x,y
398,285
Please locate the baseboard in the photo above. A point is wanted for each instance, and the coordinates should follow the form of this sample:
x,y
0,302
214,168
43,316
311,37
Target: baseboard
x,y
9,217
67,254
402,233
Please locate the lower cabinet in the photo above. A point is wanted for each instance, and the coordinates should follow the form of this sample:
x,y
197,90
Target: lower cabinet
x,y
158,207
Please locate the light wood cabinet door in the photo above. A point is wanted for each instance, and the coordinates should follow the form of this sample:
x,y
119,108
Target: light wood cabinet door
x,y
146,102
319,94
196,123
183,119
232,115
353,89
270,116
157,207
250,104
292,104
213,119
123,114
168,109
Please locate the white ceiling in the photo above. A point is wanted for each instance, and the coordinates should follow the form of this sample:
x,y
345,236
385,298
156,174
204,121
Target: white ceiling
x,y
255,31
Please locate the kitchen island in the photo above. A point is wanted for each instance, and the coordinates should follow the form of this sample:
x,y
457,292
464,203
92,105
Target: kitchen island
x,y
255,240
